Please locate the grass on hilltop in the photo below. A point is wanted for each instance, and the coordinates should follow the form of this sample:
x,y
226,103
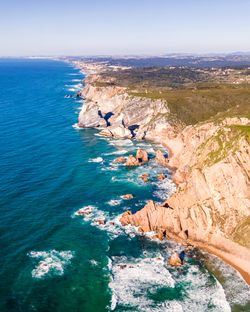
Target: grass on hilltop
x,y
196,105
192,95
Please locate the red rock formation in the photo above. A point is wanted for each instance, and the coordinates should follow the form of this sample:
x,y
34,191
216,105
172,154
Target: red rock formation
x,y
142,155
127,196
120,160
161,177
144,177
100,221
174,260
152,217
132,161
125,220
84,211
160,158
211,207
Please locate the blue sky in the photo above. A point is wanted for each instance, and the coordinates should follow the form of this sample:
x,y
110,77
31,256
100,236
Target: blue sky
x,y
118,27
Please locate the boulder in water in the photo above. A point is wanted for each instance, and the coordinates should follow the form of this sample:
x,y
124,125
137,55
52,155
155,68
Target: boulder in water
x,y
144,177
161,177
175,260
132,161
84,211
100,221
127,196
142,155
120,160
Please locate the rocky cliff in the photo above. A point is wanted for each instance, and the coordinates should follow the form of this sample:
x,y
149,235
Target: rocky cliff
x,y
118,114
211,206
210,163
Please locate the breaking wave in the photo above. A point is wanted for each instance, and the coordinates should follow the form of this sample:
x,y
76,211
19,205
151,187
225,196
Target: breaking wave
x,y
119,152
138,283
96,160
50,263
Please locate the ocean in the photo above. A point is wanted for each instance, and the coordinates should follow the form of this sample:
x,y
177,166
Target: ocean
x,y
52,259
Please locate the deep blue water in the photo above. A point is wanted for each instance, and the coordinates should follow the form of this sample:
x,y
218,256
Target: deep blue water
x,y
52,260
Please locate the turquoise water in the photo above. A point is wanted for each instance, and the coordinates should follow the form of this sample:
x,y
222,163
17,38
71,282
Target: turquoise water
x,y
53,260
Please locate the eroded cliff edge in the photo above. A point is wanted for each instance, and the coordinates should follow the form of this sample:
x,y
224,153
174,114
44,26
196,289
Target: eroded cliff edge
x,y
211,206
210,161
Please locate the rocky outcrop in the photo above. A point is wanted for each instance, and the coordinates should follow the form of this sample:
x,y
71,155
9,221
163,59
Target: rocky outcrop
x,y
174,260
129,115
161,177
140,158
127,196
212,202
144,177
152,217
117,131
120,160
160,158
142,155
132,161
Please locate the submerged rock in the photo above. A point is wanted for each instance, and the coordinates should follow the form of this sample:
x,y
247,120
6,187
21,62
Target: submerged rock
x,y
84,211
161,177
127,196
100,221
144,177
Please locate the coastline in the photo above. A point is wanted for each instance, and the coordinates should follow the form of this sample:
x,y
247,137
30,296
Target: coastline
x,y
230,259
240,265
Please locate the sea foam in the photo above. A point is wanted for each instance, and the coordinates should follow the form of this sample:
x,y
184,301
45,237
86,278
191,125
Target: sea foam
x,y
76,80
135,280
96,160
50,263
118,152
75,126
132,279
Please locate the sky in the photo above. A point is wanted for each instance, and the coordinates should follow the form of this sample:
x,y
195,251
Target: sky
x,y
123,27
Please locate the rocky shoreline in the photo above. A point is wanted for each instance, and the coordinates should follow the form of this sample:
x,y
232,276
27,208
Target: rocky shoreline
x,y
210,161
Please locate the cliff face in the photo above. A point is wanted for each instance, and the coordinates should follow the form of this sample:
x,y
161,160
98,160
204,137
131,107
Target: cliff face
x,y
211,205
213,175
121,115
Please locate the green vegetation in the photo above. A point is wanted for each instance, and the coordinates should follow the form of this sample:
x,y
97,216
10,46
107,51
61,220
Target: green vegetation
x,y
220,145
242,233
192,95
244,131
196,105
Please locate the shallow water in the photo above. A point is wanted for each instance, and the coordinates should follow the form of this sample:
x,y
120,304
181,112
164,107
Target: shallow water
x,y
53,260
